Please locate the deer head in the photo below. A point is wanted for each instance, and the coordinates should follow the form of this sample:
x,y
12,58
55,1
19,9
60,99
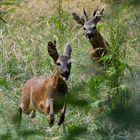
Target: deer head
x,y
89,25
62,61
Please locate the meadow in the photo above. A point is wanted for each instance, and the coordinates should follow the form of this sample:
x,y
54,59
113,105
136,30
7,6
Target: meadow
x,y
104,101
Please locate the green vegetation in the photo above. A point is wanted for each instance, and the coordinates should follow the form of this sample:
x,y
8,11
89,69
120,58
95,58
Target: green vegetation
x,y
103,100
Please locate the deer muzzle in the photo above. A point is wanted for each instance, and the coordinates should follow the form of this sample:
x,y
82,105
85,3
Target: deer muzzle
x,y
65,74
89,35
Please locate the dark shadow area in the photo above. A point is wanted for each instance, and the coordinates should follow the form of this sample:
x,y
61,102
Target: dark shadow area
x,y
136,2
128,116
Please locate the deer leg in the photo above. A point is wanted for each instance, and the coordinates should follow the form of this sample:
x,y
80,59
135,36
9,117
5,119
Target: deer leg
x,y
19,117
32,114
51,112
62,115
92,52
100,51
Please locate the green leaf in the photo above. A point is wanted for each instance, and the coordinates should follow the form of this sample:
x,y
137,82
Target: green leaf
x,y
6,137
75,131
7,3
3,83
93,85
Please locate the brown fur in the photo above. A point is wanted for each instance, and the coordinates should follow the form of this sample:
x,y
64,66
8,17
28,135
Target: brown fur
x,y
47,95
37,92
98,46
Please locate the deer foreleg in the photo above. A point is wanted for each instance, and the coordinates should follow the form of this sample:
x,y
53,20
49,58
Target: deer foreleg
x,y
51,112
62,115
92,52
19,117
32,114
100,51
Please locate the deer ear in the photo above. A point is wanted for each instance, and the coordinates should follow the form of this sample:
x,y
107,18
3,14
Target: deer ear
x,y
97,17
78,19
67,50
53,51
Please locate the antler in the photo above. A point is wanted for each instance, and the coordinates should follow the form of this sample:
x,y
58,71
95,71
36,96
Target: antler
x,y
95,11
84,11
98,15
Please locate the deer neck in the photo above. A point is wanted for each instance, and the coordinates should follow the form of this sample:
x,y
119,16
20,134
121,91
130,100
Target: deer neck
x,y
58,83
97,41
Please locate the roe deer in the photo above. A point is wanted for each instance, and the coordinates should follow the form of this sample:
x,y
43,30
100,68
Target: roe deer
x,y
48,95
98,44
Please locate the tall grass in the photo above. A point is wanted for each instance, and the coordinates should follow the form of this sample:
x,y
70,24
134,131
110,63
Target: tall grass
x,y
109,91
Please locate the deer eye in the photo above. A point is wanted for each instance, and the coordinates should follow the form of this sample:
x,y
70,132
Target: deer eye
x,y
84,28
58,64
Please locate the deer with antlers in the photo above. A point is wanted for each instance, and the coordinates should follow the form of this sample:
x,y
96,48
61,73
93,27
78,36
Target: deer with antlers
x,y
98,44
48,95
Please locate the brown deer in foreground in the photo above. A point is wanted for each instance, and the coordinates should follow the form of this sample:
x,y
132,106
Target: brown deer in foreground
x,y
48,95
98,44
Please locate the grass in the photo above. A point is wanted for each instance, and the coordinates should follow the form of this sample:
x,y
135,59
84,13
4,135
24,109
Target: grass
x,y
94,99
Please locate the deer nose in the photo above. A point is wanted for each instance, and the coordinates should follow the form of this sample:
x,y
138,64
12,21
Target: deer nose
x,y
90,35
65,74
65,71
